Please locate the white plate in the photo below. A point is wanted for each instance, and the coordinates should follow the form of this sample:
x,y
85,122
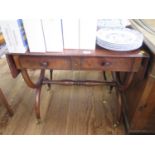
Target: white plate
x,y
119,39
120,49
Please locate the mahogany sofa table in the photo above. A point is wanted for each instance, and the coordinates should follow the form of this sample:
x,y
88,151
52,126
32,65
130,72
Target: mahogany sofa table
x,y
98,60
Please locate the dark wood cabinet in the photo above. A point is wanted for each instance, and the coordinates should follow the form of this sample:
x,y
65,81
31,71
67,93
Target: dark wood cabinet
x,y
139,102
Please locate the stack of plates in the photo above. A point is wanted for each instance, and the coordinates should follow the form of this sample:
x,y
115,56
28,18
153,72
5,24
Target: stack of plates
x,y
117,39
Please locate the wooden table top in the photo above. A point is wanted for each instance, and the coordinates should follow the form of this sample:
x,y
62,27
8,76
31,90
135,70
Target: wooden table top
x,y
99,52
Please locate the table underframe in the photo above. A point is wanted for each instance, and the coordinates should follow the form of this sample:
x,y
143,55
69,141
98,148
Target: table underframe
x,y
42,80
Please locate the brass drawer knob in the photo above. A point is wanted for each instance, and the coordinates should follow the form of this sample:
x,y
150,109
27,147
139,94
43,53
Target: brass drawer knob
x,y
44,64
105,63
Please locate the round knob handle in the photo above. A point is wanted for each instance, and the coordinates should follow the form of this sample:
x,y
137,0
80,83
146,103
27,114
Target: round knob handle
x,y
44,64
106,64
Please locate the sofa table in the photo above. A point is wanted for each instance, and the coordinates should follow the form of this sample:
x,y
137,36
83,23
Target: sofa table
x,y
100,59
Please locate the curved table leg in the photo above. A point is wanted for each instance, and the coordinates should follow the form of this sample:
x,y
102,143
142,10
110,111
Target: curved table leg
x,y
122,85
29,82
48,84
37,103
119,109
37,86
6,104
105,78
51,74
104,75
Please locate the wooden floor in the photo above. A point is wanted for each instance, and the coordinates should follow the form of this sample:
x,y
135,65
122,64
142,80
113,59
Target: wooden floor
x,y
64,109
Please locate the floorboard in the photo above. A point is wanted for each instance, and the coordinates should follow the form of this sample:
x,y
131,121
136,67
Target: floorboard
x,y
65,110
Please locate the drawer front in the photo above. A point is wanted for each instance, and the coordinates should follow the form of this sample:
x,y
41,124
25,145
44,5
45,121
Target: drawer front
x,y
110,64
44,62
78,63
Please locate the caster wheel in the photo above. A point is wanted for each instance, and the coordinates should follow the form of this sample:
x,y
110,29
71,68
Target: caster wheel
x,y
115,125
38,121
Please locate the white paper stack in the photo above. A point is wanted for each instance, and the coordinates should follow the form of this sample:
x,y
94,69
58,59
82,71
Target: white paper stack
x,y
53,35
88,29
34,34
14,36
71,33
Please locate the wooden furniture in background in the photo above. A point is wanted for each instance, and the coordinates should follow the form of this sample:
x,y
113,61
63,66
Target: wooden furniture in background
x,y
5,103
100,59
2,41
2,96
139,101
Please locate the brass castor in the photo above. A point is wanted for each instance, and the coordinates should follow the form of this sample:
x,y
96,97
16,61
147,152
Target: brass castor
x,y
38,121
115,125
